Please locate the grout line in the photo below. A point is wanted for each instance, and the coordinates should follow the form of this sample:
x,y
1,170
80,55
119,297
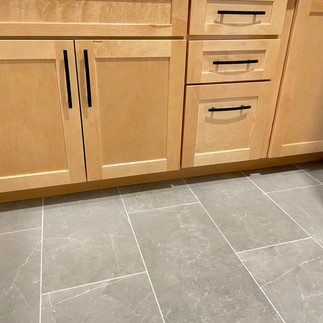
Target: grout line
x,y
142,258
294,188
41,259
281,209
275,245
4,233
224,237
163,207
93,283
307,173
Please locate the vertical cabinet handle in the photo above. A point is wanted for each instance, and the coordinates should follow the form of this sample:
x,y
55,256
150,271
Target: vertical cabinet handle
x,y
88,80
68,80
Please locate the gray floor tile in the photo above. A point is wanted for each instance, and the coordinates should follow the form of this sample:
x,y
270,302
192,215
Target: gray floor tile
x,y
119,300
246,216
280,178
87,238
20,215
196,275
20,276
291,276
304,205
315,169
155,195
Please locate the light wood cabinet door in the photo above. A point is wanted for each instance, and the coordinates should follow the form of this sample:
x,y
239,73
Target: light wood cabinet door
x,y
132,105
40,135
237,17
298,127
93,17
226,123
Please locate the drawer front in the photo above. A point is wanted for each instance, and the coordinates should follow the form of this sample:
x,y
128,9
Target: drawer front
x,y
93,18
226,123
237,17
232,60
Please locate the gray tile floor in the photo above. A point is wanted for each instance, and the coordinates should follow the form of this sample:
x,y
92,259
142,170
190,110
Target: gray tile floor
x,y
238,247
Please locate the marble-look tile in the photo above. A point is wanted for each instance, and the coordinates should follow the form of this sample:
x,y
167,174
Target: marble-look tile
x,y
87,238
196,275
292,277
20,215
149,196
128,299
20,276
246,216
304,205
315,169
280,178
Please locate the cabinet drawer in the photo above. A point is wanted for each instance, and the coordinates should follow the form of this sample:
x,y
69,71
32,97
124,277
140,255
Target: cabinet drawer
x,y
93,18
232,60
237,17
226,123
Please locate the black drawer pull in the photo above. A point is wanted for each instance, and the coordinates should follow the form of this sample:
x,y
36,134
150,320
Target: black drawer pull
x,y
234,12
68,80
243,107
88,80
247,61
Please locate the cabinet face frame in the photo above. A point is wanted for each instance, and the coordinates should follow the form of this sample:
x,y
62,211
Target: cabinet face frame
x,y
277,148
174,51
198,25
177,27
265,50
42,51
259,138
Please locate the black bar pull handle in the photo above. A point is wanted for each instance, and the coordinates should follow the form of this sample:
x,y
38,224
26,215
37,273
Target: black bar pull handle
x,y
68,80
247,61
88,80
237,12
242,107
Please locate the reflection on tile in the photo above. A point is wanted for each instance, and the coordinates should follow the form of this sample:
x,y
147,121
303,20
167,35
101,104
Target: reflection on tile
x,y
87,238
246,216
196,275
280,178
120,300
305,205
155,195
20,276
20,215
291,276
315,169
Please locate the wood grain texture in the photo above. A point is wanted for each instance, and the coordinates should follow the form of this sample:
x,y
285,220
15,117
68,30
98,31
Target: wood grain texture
x,y
136,118
93,18
226,136
298,124
40,138
205,19
202,54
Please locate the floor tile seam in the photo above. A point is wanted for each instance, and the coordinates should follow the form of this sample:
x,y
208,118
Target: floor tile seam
x,y
303,170
17,231
282,209
275,245
94,283
41,258
163,207
294,188
142,257
227,241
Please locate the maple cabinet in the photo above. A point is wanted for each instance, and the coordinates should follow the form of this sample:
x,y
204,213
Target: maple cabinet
x,y
93,18
226,123
133,120
298,127
40,127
